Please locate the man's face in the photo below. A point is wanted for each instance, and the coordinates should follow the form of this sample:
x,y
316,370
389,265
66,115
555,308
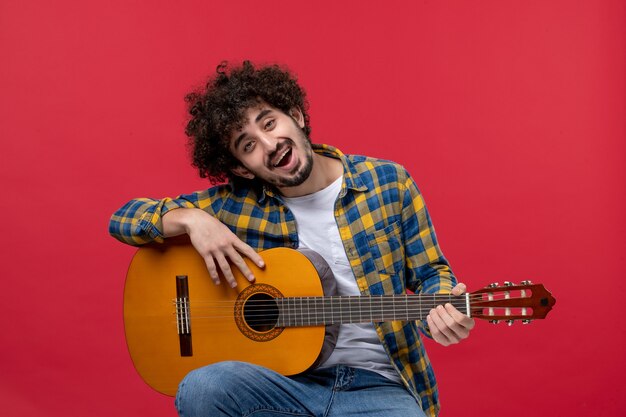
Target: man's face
x,y
273,147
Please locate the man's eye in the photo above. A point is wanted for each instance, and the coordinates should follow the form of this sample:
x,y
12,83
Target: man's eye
x,y
270,124
247,147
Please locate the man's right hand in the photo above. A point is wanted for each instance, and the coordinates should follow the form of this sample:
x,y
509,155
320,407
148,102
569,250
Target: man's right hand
x,y
214,242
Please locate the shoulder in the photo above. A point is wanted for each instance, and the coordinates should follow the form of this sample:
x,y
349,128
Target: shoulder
x,y
222,195
379,171
361,170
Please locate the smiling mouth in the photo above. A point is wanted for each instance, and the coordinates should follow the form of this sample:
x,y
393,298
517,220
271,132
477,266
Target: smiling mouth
x,y
283,158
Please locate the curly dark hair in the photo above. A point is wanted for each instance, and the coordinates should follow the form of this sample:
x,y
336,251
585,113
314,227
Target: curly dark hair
x,y
219,108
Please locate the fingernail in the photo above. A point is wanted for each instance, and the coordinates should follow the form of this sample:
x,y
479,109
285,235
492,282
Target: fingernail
x,y
233,285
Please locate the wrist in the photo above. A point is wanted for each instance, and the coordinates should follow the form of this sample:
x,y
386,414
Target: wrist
x,y
178,221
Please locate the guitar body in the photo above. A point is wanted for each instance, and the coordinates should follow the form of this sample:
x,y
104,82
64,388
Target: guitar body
x,y
177,320
218,329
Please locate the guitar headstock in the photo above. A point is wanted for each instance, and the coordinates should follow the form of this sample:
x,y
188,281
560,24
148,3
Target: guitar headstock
x,y
510,302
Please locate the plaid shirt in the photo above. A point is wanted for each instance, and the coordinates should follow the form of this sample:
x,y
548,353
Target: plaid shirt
x,y
383,223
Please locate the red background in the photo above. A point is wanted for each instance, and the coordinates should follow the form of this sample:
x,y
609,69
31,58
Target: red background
x,y
509,114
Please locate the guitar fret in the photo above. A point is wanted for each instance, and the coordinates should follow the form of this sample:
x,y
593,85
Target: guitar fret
x,y
349,311
308,316
300,311
359,302
406,306
354,310
316,311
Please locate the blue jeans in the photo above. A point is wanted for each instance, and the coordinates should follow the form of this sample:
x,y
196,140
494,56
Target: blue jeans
x,y
241,389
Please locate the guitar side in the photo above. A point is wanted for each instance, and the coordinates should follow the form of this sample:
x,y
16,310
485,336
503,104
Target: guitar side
x,y
150,318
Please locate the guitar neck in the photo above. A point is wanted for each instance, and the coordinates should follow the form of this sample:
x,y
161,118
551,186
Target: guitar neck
x,y
316,311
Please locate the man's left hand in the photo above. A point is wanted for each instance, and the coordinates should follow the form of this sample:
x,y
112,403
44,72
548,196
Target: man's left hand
x,y
447,324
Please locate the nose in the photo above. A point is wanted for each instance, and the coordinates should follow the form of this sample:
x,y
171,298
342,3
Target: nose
x,y
268,142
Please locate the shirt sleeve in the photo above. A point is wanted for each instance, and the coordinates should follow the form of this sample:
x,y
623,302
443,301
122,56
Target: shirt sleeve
x,y
140,220
427,270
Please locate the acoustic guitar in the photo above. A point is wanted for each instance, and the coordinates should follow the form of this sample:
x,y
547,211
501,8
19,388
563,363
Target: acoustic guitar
x,y
176,319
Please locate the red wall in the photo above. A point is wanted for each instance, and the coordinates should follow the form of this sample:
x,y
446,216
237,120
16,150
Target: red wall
x,y
509,114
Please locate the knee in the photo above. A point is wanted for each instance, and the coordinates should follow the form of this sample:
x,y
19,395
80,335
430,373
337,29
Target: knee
x,y
209,379
205,387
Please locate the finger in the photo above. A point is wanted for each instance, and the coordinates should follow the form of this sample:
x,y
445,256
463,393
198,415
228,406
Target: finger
x,y
210,266
250,253
452,329
459,289
456,326
461,319
436,334
226,271
437,317
236,259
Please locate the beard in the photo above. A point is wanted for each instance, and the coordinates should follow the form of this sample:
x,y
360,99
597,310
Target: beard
x,y
300,173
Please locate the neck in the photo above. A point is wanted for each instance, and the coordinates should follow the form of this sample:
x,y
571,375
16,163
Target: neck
x,y
325,171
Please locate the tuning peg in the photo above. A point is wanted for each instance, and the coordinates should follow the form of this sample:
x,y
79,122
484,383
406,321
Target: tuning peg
x,y
508,284
494,321
526,282
510,322
526,321
492,285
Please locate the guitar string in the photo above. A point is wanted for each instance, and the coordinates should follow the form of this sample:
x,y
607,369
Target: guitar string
x,y
355,302
378,313
390,305
298,319
366,317
398,298
260,316
316,304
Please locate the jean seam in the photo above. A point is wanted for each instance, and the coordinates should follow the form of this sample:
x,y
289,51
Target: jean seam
x,y
332,393
277,411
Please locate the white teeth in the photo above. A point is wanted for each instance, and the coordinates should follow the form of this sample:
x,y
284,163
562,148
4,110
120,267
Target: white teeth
x,y
281,157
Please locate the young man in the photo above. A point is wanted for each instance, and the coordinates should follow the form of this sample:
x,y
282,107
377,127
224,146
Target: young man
x,y
365,217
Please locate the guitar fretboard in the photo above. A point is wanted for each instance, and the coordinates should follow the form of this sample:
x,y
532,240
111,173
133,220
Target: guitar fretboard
x,y
317,311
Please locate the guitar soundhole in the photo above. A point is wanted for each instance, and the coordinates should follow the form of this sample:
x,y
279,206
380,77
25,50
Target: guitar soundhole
x,y
256,312
260,312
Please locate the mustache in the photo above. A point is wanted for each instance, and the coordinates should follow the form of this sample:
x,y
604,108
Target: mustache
x,y
280,147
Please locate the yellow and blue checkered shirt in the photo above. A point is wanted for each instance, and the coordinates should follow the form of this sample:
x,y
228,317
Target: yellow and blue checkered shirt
x,y
383,223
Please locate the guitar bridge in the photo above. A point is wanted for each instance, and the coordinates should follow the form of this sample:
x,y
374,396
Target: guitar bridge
x,y
183,315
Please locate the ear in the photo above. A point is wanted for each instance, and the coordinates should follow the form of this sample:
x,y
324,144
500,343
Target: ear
x,y
242,171
297,115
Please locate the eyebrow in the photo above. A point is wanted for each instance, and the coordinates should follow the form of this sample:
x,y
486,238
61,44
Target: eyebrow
x,y
259,116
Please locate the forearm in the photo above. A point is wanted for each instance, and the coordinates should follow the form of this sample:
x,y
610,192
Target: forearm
x,y
140,220
180,221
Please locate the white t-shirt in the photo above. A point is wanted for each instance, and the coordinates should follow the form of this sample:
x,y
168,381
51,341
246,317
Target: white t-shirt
x,y
358,345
